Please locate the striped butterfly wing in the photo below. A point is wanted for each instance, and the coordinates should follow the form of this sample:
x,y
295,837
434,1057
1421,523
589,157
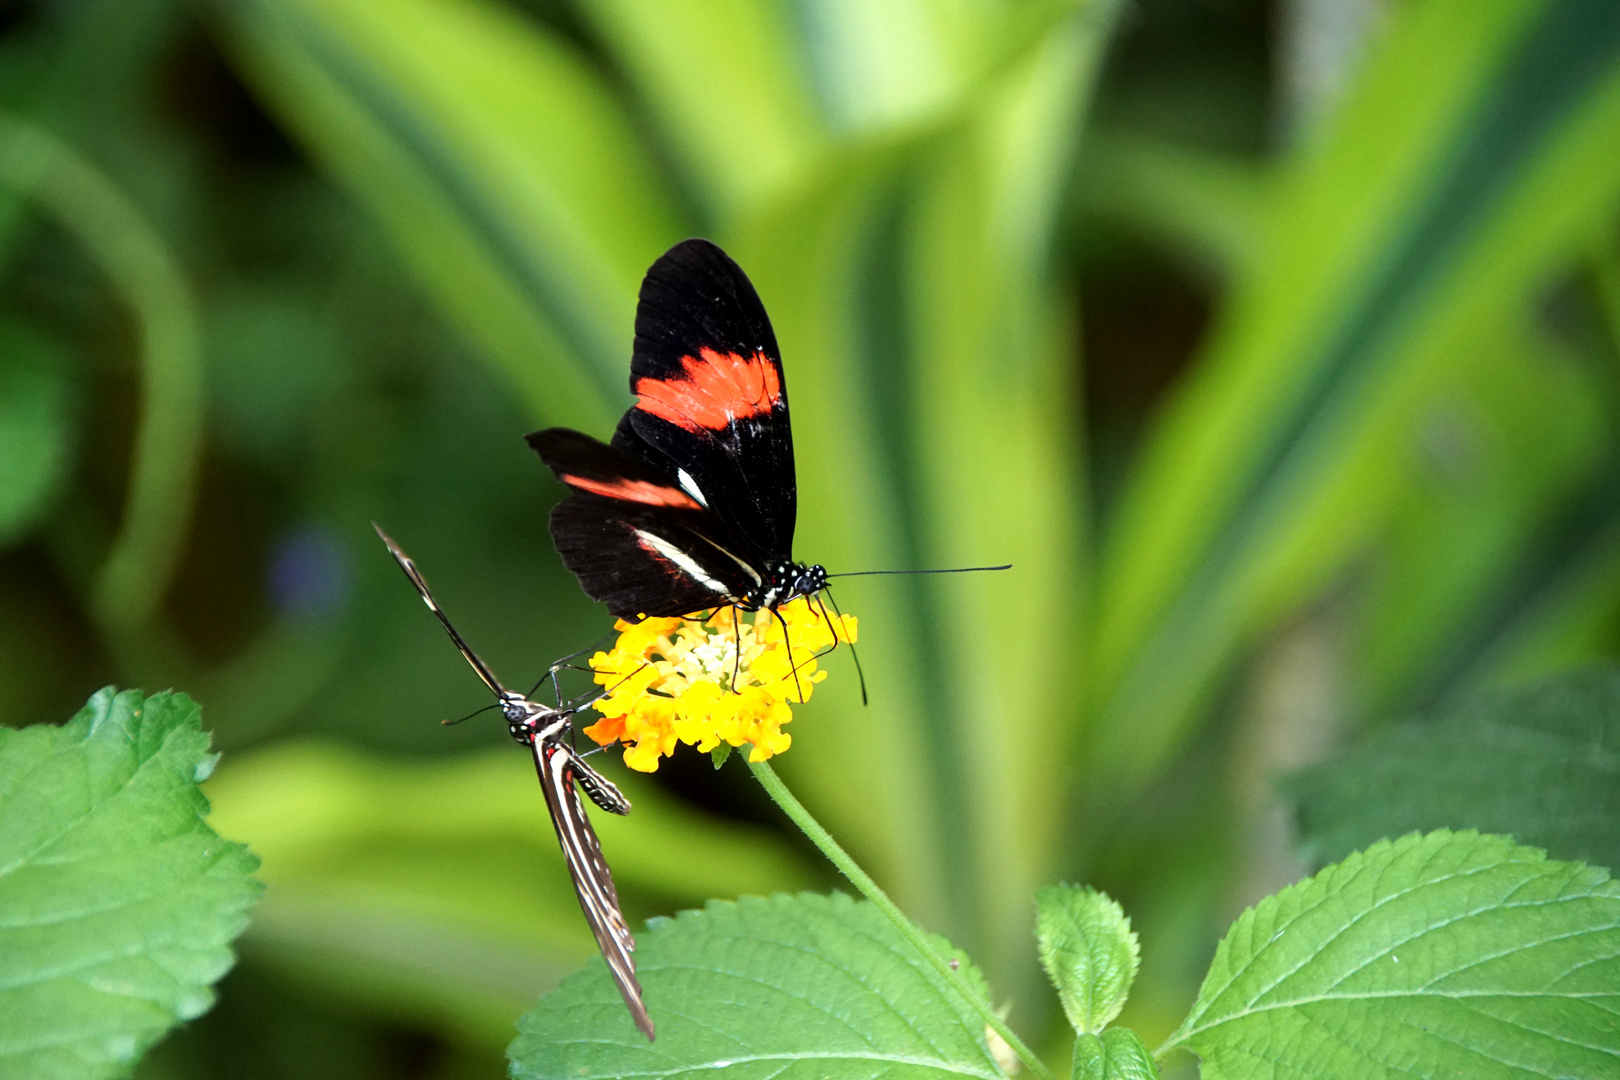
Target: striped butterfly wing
x,y
559,768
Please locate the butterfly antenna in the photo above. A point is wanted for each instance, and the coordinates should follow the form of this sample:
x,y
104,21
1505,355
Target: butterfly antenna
x,y
420,582
606,690
535,689
952,570
853,655
469,716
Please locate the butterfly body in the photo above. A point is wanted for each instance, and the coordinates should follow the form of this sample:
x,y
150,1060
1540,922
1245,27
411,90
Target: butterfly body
x,y
548,732
692,504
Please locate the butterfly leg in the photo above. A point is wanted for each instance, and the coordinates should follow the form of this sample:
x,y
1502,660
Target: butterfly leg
x,y
787,640
551,672
853,655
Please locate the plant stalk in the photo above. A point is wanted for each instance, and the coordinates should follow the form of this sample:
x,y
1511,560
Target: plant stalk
x,y
911,931
168,434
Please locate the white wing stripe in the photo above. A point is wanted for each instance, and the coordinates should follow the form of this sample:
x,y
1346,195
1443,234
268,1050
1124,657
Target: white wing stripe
x,y
749,570
690,485
583,853
681,559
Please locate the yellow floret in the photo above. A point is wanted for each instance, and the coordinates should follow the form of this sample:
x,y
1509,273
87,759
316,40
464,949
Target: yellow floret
x,y
707,680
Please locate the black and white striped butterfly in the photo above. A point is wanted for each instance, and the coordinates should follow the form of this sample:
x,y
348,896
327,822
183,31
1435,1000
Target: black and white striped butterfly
x,y
549,732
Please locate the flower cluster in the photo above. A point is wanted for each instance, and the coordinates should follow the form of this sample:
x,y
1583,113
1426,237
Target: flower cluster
x,y
724,678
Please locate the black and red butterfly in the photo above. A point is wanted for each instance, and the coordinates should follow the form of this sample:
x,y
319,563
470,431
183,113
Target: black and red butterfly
x,y
692,504
548,732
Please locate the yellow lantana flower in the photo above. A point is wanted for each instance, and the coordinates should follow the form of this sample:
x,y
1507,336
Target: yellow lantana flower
x,y
709,679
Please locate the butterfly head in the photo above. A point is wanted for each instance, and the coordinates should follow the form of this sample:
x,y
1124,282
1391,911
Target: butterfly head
x,y
528,721
808,580
782,582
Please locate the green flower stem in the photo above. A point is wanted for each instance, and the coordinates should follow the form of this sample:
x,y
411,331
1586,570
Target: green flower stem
x,y
868,888
168,435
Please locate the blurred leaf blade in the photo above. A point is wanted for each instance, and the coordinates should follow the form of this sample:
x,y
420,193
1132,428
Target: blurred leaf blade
x,y
118,902
726,79
501,166
991,412
35,434
1282,459
1566,619
1542,763
1209,206
1446,947
927,245
139,263
805,985
1462,558
884,65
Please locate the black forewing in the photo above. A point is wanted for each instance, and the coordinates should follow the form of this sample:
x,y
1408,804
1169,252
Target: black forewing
x,y
668,557
694,298
593,881
604,543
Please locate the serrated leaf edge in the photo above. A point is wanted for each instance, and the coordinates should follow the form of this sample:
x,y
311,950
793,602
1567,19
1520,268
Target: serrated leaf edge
x,y
1532,855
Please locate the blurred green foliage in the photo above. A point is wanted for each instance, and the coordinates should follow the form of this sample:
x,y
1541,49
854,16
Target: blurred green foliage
x,y
1278,353
1538,762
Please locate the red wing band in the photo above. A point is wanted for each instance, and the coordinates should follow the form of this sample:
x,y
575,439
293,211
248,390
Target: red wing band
x,y
714,389
636,491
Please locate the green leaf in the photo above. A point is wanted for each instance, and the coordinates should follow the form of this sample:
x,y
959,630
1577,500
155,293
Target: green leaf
x,y
34,428
1089,951
1541,763
1450,954
117,901
1116,1054
787,987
